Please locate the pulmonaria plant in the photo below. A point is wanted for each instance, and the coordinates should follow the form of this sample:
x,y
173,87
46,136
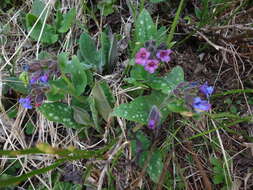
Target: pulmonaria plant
x,y
150,56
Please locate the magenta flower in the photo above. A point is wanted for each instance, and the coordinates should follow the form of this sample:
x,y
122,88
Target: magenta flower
x,y
154,117
142,56
151,65
164,55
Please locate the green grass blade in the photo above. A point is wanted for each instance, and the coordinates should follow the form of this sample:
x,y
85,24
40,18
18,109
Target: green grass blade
x,y
16,180
174,24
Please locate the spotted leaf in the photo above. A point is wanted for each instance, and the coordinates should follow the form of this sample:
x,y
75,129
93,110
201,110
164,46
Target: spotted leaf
x,y
60,113
138,110
169,82
155,165
145,28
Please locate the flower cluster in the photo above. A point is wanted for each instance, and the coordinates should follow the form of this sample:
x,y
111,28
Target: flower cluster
x,y
200,105
150,56
154,117
195,95
42,78
39,73
25,102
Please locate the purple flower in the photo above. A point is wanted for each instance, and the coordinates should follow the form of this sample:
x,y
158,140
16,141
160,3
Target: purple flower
x,y
164,55
207,90
44,78
151,65
154,117
25,102
151,124
141,56
200,105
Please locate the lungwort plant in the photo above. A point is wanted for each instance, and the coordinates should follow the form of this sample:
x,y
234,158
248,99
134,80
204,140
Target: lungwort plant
x,y
91,103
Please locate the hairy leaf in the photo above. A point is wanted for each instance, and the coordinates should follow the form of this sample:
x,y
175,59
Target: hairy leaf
x,y
138,110
60,113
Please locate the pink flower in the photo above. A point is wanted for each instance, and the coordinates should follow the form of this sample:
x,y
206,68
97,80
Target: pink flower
x,y
164,55
142,56
151,65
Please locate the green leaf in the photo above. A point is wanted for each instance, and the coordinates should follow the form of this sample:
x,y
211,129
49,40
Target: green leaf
x,y
106,7
94,113
62,59
58,89
176,106
143,145
198,12
37,8
79,78
82,116
44,55
103,52
169,82
88,50
113,52
29,128
12,112
17,85
60,113
155,166
145,28
161,35
48,36
102,104
65,22
108,93
138,109
138,73
218,171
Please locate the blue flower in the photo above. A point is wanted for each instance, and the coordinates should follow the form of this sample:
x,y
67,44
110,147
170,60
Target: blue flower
x,y
207,90
44,78
25,102
25,67
200,105
33,80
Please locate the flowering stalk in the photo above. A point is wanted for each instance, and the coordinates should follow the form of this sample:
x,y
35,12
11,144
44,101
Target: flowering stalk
x,y
154,118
